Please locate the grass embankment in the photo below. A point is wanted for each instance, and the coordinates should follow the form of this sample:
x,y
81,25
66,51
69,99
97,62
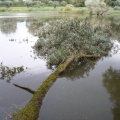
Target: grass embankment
x,y
30,9
59,9
42,9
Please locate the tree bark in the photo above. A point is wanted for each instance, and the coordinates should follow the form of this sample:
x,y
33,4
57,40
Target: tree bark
x,y
25,88
31,110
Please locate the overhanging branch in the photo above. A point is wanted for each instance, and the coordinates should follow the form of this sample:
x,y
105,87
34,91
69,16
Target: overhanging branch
x,y
25,88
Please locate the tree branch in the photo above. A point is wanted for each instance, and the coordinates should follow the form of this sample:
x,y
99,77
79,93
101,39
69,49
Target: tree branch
x,y
31,110
25,88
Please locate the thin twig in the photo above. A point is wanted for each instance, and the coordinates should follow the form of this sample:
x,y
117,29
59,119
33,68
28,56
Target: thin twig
x,y
7,114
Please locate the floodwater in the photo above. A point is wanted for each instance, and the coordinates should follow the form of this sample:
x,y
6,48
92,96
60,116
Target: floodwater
x,y
80,94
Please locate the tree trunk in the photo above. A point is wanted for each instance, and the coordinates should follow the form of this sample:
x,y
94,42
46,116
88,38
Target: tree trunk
x,y
31,110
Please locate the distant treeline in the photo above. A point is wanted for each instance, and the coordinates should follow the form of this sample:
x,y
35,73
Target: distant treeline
x,y
76,3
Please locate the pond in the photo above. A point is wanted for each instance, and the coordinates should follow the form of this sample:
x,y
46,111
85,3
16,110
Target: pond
x,y
79,94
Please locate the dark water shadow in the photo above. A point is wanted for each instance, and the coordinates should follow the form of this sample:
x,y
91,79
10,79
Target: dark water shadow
x,y
111,82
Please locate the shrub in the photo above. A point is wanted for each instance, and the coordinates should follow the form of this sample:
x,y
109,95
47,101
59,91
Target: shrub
x,y
45,1
2,10
0,2
28,3
98,7
117,2
38,4
79,11
6,72
50,3
63,3
18,4
8,3
55,3
68,8
116,8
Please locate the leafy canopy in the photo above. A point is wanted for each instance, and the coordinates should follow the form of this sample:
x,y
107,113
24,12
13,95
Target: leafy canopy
x,y
96,6
63,38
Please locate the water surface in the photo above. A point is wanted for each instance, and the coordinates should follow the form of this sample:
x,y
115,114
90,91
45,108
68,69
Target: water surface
x,y
79,94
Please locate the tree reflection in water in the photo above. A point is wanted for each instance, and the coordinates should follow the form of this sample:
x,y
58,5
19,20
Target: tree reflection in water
x,y
80,69
9,25
111,81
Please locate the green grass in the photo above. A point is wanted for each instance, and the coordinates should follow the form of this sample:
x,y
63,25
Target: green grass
x,y
30,9
46,9
35,9
114,11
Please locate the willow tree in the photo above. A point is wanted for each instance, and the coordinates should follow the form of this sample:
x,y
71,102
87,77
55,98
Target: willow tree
x,y
60,40
98,7
60,43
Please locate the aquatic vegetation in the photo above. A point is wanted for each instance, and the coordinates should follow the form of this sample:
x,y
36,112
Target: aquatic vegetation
x,y
7,72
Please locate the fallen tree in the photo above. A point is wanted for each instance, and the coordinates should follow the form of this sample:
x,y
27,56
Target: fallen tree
x,y
60,44
31,110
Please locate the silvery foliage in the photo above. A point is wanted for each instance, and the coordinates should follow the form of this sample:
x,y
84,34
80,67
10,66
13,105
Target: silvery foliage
x,y
96,6
7,72
59,40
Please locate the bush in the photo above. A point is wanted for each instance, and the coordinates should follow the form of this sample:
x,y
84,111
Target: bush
x,y
110,3
45,1
63,3
79,3
79,11
55,3
68,8
2,10
117,2
116,8
50,3
28,3
18,4
8,3
38,4
0,2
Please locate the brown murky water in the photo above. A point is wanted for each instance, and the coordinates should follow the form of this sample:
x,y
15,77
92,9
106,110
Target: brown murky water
x,y
79,94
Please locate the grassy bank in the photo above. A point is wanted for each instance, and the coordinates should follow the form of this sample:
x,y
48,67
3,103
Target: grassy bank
x,y
41,9
30,9
49,9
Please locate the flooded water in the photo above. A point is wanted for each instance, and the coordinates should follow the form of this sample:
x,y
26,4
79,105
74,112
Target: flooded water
x,y
79,94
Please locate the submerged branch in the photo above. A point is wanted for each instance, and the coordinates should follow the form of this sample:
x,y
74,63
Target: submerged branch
x,y
25,88
7,114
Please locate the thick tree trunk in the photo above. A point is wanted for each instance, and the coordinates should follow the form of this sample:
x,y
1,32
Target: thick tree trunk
x,y
31,110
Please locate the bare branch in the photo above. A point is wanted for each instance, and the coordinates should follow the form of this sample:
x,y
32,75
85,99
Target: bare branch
x,y
25,88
